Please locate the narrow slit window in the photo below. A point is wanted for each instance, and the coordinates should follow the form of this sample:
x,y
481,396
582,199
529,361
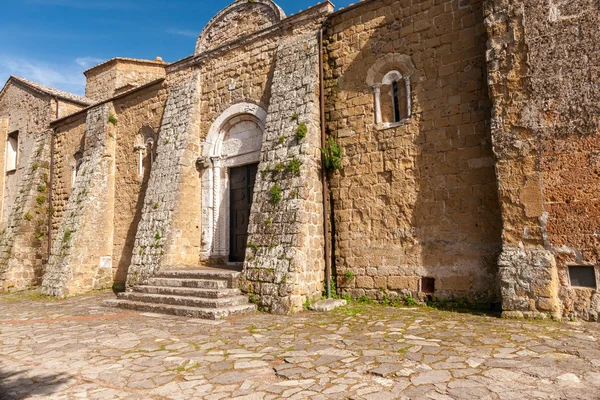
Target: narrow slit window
x,y
76,167
396,100
12,152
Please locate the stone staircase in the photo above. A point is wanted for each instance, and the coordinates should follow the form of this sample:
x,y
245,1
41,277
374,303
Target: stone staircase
x,y
208,294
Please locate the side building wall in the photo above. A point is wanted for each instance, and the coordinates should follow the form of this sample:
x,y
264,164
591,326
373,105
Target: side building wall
x,y
415,199
543,72
28,113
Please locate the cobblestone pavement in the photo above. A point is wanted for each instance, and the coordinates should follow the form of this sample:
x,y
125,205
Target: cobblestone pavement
x,y
75,349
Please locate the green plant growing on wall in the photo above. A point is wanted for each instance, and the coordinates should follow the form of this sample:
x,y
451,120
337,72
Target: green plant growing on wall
x,y
281,139
268,222
276,194
42,187
294,166
35,166
332,155
112,119
410,301
67,235
41,200
279,167
301,131
28,216
295,193
349,275
156,206
295,117
39,235
158,236
253,246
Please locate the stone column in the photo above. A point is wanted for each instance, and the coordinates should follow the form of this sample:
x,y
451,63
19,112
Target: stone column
x,y
408,96
377,93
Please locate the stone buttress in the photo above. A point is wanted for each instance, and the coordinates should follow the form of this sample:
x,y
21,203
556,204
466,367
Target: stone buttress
x,y
169,231
284,258
81,255
23,243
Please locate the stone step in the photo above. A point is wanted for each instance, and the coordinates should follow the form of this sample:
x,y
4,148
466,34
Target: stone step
x,y
189,292
231,277
188,283
184,300
182,311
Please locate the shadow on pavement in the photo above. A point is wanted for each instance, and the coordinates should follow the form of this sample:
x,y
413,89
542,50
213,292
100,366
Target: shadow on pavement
x,y
24,384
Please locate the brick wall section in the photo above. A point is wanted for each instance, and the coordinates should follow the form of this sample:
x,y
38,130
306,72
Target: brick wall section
x,y
139,117
543,62
23,240
169,230
284,260
79,262
417,200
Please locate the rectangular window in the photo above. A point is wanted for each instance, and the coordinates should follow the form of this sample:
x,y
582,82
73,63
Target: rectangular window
x,y
582,276
12,151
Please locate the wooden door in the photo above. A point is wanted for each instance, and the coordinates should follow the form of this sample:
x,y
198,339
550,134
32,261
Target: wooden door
x,y
241,183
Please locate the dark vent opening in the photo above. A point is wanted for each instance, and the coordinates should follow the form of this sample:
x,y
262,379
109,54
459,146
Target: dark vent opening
x,y
428,285
583,276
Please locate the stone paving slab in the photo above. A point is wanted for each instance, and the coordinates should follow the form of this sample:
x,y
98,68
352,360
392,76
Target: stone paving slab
x,y
76,349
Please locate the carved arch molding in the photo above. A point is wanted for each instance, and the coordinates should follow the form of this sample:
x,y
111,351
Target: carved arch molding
x,y
234,139
239,19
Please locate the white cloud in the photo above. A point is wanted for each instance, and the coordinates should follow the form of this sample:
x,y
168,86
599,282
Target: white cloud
x,y
68,77
88,62
181,32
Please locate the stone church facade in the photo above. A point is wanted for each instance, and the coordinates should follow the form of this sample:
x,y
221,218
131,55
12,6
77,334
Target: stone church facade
x,y
469,166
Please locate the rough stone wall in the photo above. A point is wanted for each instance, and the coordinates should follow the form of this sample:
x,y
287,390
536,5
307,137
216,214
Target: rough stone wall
x,y
419,199
65,108
543,72
29,113
101,82
23,240
69,139
169,230
104,81
139,117
284,259
243,74
79,262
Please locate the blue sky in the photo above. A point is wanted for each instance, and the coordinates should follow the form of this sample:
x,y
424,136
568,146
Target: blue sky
x,y
54,41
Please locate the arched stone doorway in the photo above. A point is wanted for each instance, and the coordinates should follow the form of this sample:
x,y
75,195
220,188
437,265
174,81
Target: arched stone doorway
x,y
232,153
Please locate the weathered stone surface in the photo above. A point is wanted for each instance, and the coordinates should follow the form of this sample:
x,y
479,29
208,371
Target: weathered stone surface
x,y
543,139
76,349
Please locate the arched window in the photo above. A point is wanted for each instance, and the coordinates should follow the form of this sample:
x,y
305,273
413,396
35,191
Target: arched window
x,y
390,78
144,146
